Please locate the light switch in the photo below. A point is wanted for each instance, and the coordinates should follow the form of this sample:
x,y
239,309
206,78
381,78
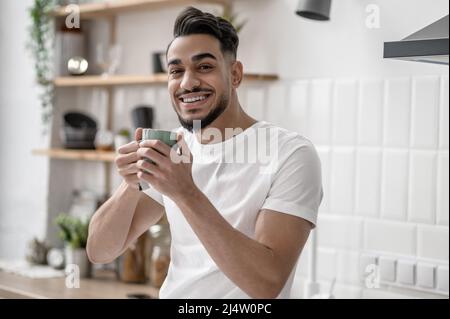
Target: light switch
x,y
442,278
405,272
425,275
387,269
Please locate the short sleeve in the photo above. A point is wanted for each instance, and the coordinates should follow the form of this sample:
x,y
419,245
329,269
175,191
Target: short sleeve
x,y
154,194
296,187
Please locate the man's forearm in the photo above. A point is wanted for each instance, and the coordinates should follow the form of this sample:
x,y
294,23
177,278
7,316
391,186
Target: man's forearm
x,y
109,226
248,263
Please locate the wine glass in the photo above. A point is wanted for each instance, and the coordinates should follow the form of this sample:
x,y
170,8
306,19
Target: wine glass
x,y
108,58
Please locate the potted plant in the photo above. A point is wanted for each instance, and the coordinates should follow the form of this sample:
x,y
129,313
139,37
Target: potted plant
x,y
122,137
74,233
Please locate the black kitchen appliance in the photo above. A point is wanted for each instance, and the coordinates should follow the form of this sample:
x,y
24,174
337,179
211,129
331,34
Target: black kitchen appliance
x,y
142,116
79,131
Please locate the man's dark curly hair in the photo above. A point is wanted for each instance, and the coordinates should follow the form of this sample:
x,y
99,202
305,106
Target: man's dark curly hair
x,y
193,21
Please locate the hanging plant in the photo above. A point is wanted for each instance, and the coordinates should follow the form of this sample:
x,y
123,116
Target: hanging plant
x,y
40,45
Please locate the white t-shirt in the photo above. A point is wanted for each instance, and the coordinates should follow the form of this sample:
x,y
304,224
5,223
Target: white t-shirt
x,y
263,167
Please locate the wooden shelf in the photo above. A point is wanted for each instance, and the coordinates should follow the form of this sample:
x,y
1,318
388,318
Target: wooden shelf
x,y
96,80
117,80
83,155
109,8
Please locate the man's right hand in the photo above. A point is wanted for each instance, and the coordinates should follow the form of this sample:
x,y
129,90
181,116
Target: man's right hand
x,y
126,161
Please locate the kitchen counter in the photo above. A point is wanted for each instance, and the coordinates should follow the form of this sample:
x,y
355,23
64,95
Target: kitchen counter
x,y
102,286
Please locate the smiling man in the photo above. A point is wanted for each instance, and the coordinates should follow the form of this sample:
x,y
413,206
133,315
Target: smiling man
x,y
238,223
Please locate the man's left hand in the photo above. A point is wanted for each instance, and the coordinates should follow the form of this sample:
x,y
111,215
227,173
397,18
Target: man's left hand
x,y
171,170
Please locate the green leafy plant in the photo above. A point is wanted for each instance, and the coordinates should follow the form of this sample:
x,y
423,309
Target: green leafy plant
x,y
40,44
124,132
73,230
232,17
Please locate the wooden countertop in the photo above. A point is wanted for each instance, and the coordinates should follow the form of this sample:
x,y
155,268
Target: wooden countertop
x,y
102,286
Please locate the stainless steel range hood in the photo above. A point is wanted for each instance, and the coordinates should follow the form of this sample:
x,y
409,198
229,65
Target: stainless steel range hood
x,y
429,44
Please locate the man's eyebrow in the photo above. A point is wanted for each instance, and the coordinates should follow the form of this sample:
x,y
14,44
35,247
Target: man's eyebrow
x,y
174,62
202,56
195,58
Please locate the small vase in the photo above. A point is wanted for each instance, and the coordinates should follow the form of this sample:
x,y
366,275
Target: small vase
x,y
78,256
120,140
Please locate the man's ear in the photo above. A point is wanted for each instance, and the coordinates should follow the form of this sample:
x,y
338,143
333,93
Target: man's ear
x,y
237,73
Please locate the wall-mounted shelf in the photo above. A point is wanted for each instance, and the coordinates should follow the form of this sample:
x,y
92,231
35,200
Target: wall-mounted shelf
x,y
111,8
114,80
117,80
81,155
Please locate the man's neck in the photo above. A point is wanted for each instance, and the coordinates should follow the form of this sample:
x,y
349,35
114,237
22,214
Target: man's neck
x,y
233,119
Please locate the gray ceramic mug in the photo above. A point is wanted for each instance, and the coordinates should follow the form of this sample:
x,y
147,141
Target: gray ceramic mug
x,y
167,137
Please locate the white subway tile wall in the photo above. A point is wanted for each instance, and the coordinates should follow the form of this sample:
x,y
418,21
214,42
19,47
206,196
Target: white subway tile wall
x,y
394,184
348,266
298,107
422,187
255,102
276,104
326,263
344,112
302,264
368,178
397,110
370,112
319,113
342,181
342,232
424,117
442,189
443,115
383,144
389,236
432,242
324,155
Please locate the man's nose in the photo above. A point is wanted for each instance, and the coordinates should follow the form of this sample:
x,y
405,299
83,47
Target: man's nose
x,y
189,81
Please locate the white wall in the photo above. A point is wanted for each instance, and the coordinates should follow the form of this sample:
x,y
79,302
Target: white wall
x,y
294,47
381,126
23,177
383,144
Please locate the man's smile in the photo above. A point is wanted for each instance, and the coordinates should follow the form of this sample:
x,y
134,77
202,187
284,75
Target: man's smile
x,y
194,100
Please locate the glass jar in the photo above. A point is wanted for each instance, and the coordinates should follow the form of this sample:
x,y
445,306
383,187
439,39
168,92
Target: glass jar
x,y
160,254
131,265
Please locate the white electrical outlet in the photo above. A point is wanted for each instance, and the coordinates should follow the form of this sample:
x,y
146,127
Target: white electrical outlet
x,y
425,275
442,278
387,269
406,272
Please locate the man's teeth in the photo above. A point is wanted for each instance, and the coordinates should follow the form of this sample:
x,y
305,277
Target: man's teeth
x,y
194,99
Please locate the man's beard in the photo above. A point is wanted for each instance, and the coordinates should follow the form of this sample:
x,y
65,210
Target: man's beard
x,y
209,118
